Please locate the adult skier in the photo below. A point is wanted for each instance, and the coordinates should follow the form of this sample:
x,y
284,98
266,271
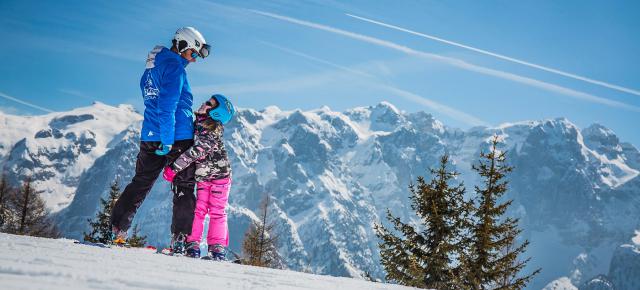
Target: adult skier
x,y
167,131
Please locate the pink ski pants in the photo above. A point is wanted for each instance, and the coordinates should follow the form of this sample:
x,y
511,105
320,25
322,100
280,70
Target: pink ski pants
x,y
212,199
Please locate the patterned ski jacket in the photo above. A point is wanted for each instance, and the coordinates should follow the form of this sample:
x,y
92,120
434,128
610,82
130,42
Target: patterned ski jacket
x,y
207,152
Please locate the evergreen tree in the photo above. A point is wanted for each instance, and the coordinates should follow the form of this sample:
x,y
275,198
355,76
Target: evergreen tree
x,y
28,214
136,240
259,245
101,225
5,191
493,258
425,258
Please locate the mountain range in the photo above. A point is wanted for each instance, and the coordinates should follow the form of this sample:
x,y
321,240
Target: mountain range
x,y
332,175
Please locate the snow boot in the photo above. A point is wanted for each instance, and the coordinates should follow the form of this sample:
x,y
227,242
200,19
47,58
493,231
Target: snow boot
x,y
192,249
118,237
217,253
178,243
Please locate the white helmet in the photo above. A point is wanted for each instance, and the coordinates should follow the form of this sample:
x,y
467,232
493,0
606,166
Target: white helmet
x,y
189,37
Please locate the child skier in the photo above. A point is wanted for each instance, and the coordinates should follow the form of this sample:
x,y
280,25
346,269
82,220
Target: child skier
x,y
213,176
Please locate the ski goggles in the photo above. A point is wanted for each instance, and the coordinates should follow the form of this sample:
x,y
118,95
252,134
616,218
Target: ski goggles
x,y
208,103
204,52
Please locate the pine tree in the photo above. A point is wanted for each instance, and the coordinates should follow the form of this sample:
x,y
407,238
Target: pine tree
x,y
101,225
425,258
136,240
28,214
493,258
260,239
5,191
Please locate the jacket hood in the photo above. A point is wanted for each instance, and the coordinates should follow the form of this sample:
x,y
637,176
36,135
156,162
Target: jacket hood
x,y
162,54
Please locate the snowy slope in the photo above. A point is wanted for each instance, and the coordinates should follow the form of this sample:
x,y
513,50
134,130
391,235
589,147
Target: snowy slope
x,y
36,263
331,175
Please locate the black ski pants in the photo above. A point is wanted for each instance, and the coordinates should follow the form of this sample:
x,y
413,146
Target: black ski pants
x,y
148,167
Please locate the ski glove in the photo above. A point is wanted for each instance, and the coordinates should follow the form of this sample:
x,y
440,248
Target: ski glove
x,y
163,150
169,174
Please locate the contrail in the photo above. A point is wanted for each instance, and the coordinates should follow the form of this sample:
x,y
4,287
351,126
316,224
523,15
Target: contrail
x,y
313,58
458,63
24,103
504,57
433,105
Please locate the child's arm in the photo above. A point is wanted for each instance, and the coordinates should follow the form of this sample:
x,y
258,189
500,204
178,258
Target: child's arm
x,y
202,147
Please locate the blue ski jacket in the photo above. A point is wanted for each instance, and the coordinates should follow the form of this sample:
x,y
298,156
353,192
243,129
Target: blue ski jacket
x,y
167,98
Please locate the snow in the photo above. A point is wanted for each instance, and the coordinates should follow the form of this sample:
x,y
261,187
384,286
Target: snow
x,y
334,185
563,283
38,263
265,166
359,119
98,123
613,172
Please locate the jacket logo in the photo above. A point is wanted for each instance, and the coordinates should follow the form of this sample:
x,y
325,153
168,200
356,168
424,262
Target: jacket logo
x,y
150,89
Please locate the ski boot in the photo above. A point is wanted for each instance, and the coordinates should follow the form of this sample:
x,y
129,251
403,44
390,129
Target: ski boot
x,y
217,253
118,237
178,243
192,250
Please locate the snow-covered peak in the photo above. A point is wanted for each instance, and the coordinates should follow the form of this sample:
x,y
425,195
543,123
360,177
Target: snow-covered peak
x,y
424,121
602,140
386,106
383,117
563,283
559,126
272,112
598,130
57,147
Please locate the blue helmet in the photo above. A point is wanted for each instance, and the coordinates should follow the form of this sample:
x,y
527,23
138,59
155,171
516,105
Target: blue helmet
x,y
224,111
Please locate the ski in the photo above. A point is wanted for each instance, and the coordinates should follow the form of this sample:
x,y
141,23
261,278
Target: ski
x,y
111,246
100,245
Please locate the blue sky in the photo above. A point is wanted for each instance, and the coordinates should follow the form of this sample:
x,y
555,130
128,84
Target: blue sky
x,y
59,55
